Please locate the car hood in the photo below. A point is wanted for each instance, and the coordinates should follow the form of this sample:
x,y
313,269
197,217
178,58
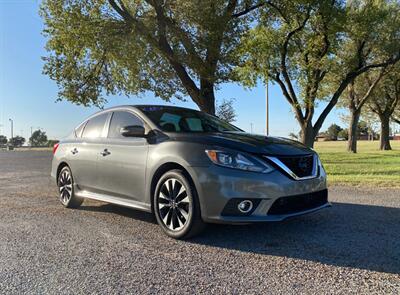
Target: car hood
x,y
251,143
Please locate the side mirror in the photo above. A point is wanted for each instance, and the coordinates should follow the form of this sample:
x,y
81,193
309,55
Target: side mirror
x,y
133,131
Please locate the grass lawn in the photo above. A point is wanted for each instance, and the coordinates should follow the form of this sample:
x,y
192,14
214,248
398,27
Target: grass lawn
x,y
369,167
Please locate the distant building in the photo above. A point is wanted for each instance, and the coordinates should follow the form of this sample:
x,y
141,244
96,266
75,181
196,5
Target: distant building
x,y
322,137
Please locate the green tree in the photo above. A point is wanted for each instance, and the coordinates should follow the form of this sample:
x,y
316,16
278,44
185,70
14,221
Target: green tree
x,y
305,46
3,139
226,111
362,128
344,133
333,131
356,95
52,142
386,99
17,141
172,48
38,138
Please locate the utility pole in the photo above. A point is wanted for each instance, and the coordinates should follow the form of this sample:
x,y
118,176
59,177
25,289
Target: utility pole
x,y
12,128
266,108
251,127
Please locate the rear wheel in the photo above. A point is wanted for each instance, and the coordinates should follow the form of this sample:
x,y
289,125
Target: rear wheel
x,y
65,184
176,206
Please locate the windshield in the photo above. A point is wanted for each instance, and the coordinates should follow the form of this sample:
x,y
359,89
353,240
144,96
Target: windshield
x,y
170,119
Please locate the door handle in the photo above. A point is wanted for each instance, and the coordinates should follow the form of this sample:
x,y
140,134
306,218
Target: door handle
x,y
105,153
74,151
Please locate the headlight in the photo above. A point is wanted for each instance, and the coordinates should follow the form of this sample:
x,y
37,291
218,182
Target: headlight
x,y
238,161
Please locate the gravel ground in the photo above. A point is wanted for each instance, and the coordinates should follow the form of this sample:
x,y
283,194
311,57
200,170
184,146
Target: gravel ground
x,y
351,248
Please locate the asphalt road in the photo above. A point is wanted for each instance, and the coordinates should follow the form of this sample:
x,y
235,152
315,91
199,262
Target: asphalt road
x,y
353,247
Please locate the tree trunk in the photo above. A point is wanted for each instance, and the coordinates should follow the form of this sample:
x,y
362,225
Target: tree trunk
x,y
206,101
384,138
308,135
352,140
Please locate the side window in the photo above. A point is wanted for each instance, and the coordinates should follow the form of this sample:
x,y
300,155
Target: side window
x,y
94,127
194,124
122,119
78,131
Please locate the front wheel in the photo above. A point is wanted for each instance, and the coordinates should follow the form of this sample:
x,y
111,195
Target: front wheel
x,y
65,184
176,206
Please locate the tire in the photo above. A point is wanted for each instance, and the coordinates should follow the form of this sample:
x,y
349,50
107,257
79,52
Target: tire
x,y
65,183
176,206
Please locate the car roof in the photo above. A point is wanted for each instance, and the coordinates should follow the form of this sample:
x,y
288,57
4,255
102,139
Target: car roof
x,y
139,108
144,106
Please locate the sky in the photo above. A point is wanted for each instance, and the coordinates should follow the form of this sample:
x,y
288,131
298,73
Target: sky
x,y
29,98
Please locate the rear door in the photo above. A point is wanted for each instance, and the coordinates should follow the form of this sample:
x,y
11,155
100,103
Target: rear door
x,y
122,165
85,152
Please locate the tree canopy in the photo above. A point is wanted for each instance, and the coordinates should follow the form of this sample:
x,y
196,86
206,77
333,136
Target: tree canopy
x,y
3,139
333,131
38,138
314,49
17,141
172,48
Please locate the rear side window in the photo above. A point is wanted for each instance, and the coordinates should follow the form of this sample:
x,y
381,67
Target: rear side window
x,y
94,127
122,119
78,131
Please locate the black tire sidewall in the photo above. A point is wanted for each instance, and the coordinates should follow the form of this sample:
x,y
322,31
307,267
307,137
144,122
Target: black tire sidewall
x,y
193,201
74,201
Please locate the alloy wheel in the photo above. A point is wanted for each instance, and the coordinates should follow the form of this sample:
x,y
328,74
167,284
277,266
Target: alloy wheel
x,y
174,204
65,186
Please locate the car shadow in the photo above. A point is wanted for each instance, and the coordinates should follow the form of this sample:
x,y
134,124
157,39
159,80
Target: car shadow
x,y
346,235
123,211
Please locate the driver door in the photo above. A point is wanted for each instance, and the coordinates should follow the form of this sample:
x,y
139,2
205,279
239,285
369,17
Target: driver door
x,y
122,161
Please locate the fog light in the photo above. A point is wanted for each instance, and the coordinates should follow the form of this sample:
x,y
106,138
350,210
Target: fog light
x,y
245,206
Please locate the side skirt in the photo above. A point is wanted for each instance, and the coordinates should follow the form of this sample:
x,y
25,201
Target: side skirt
x,y
114,200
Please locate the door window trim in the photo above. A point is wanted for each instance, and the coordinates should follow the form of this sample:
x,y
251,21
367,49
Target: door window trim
x,y
105,127
146,127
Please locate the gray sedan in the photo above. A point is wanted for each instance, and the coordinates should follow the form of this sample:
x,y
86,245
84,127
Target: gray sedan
x,y
186,167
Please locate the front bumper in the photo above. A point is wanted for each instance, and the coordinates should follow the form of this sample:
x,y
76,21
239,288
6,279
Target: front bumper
x,y
217,185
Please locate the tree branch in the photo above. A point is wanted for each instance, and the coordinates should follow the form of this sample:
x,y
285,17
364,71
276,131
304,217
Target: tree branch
x,y
248,9
284,51
294,104
370,90
162,45
165,21
397,120
349,77
384,64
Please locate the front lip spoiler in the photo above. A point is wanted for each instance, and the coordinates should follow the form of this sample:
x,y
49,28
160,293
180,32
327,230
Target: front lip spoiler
x,y
265,218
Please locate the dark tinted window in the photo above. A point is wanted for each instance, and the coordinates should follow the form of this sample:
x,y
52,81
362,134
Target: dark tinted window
x,y
171,119
94,127
120,120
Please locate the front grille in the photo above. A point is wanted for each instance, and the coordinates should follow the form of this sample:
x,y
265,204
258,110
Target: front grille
x,y
302,166
298,203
